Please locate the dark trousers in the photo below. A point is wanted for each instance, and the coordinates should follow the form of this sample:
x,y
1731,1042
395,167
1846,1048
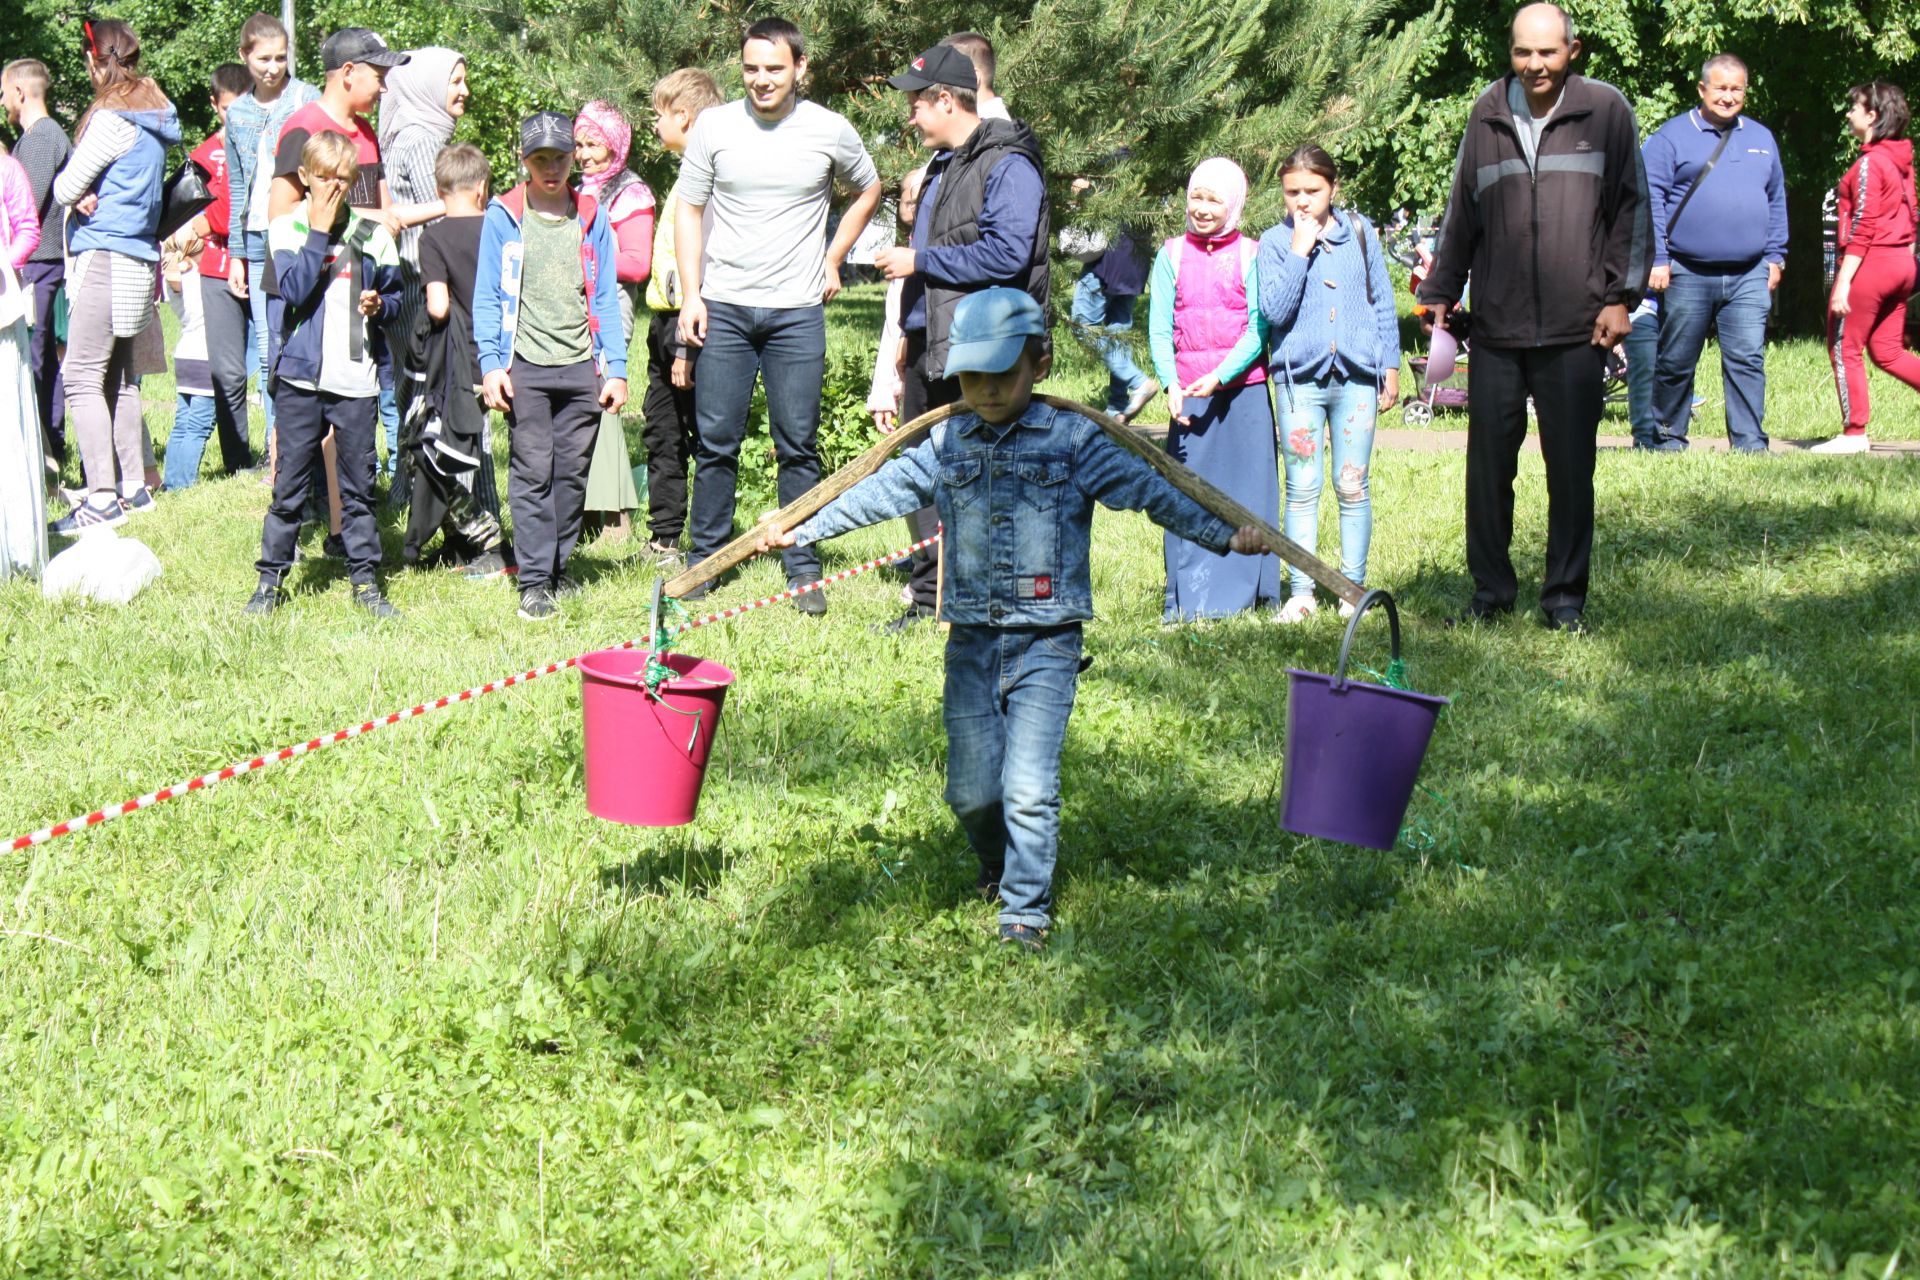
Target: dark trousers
x,y
551,428
920,394
43,356
668,433
786,347
302,418
1565,383
228,319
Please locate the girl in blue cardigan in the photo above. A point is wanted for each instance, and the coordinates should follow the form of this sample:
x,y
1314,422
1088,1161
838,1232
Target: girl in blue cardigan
x,y
1334,358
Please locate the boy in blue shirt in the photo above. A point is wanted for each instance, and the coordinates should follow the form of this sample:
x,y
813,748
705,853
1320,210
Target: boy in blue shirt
x,y
1015,483
339,286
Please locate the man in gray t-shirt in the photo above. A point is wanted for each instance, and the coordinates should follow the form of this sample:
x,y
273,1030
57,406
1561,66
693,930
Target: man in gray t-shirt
x,y
756,286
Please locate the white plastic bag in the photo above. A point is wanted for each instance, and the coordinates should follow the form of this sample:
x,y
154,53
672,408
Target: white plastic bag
x,y
101,567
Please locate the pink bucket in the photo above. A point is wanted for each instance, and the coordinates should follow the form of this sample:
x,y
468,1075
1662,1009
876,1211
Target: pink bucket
x,y
646,756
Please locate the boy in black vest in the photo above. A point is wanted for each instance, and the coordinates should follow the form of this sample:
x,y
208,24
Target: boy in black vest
x,y
983,224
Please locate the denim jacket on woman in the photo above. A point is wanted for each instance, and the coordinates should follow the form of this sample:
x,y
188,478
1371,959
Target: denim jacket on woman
x,y
1016,503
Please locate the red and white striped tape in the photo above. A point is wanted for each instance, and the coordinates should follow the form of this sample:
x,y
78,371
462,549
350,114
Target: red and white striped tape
x,y
298,749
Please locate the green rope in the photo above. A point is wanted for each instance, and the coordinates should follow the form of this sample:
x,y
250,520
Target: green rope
x,y
658,672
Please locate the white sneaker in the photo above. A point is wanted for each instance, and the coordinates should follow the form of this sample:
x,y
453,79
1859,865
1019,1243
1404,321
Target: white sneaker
x,y
1298,609
1843,444
1346,610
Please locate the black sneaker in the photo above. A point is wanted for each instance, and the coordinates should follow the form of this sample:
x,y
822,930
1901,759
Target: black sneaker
x,y
565,587
908,621
812,603
265,599
367,596
536,605
333,547
1024,935
485,567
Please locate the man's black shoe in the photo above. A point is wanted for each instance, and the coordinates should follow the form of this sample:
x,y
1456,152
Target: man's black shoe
x,y
266,598
908,621
368,597
1566,618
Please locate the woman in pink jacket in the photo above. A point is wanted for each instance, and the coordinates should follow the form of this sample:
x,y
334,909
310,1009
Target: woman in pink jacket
x,y
1869,304
1208,344
23,475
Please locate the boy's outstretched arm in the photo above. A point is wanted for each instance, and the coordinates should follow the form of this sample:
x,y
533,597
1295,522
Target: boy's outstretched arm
x,y
904,484
1115,477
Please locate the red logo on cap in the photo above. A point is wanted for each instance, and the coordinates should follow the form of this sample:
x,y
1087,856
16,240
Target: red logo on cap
x,y
919,64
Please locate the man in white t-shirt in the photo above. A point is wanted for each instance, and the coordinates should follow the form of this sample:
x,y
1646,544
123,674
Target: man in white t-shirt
x,y
763,170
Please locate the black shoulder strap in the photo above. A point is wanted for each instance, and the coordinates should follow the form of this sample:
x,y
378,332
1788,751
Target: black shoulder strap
x,y
1366,268
1712,160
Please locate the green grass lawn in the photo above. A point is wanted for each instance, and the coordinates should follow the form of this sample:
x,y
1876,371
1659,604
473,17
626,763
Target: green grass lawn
x,y
1637,995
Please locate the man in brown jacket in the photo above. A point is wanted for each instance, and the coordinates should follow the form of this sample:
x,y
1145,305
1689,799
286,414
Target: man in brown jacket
x,y
1549,216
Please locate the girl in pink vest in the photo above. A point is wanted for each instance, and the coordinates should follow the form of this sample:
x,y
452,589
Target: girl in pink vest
x,y
1207,338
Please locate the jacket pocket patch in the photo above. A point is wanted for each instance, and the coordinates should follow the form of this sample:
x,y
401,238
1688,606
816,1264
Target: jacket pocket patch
x,y
1034,586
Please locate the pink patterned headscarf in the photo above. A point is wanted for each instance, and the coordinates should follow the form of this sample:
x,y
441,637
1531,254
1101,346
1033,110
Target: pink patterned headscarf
x,y
1225,179
603,122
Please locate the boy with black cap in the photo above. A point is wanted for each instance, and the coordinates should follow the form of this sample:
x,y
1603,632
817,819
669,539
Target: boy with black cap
x,y
546,321
983,222
1014,484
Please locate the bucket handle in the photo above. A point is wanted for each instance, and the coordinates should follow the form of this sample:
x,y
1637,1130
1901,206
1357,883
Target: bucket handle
x,y
1367,602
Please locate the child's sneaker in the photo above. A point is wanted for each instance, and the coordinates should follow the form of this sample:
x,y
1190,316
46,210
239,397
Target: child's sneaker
x,y
266,598
1298,609
1029,936
536,604
367,596
1346,610
141,502
485,566
88,515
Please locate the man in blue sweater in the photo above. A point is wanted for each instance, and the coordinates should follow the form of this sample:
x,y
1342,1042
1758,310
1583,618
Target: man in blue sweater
x,y
1719,245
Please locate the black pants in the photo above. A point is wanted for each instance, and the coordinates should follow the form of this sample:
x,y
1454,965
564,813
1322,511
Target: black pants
x,y
551,428
919,394
668,433
45,279
1565,383
301,419
228,321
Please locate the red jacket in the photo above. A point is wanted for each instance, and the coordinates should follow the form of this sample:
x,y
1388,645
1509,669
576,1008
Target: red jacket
x,y
211,156
1876,199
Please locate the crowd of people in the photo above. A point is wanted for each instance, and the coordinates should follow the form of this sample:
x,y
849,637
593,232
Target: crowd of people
x,y
378,289
381,293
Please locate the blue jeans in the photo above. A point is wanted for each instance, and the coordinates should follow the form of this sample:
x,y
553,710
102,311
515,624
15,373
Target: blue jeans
x,y
1009,693
187,442
1100,323
390,419
786,347
1643,345
1307,410
262,339
1736,302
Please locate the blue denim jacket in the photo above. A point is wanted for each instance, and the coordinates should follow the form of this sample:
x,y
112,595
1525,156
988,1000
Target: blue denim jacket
x,y
1017,505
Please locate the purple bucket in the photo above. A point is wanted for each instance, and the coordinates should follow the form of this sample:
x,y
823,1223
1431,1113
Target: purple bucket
x,y
1353,749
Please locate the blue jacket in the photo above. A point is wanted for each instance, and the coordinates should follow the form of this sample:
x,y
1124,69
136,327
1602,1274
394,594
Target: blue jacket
x,y
128,217
301,264
1016,503
1739,216
496,283
1316,308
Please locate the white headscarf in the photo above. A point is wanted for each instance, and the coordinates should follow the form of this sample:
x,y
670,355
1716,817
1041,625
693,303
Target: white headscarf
x,y
1226,180
417,95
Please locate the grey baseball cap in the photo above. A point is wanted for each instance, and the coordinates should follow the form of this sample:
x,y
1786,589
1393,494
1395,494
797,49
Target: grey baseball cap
x,y
546,131
357,44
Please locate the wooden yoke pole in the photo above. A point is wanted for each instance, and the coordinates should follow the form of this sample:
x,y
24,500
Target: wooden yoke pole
x,y
1177,474
742,548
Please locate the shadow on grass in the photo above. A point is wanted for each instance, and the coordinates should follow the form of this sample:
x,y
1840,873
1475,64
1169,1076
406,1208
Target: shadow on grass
x,y
1650,981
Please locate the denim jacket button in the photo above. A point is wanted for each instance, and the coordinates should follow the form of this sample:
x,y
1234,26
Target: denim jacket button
x,y
1000,517
1000,470
997,611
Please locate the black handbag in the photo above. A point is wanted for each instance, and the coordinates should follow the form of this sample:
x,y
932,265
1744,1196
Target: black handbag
x,y
183,197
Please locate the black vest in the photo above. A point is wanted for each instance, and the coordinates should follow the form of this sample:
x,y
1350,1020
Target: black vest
x,y
955,219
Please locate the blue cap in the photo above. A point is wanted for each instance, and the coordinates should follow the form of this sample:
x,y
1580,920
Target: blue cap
x,y
990,330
